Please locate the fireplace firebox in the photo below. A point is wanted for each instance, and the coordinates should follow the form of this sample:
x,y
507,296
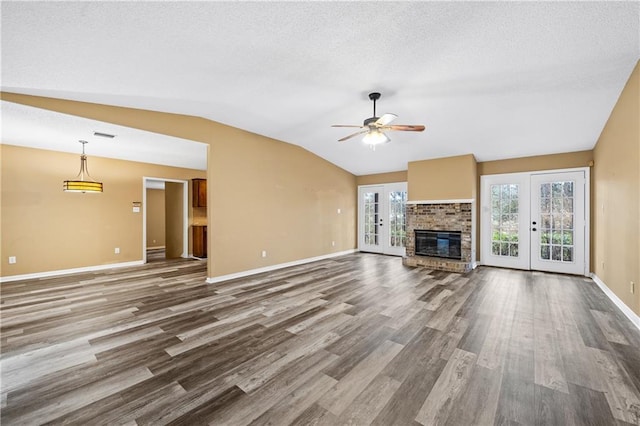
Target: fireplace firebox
x,y
444,244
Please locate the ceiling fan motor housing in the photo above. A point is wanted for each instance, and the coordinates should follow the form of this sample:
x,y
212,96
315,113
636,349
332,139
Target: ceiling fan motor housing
x,y
370,120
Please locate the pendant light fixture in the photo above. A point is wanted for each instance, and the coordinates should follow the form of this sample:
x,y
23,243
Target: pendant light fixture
x,y
83,182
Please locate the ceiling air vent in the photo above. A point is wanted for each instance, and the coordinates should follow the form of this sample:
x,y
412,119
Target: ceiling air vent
x,y
104,135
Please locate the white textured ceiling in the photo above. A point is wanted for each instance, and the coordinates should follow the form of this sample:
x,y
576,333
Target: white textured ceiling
x,y
496,79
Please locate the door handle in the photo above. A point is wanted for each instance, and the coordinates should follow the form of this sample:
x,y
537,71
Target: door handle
x,y
533,223
533,229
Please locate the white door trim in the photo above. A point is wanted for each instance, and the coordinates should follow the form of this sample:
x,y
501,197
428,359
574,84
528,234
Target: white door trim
x,y
185,214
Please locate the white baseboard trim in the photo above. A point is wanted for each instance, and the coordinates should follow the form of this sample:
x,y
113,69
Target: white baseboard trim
x,y
213,280
635,319
69,271
474,265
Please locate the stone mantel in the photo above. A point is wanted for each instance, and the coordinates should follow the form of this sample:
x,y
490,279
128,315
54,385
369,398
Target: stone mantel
x,y
456,201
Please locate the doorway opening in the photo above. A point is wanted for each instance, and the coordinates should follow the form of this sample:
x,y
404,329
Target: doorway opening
x,y
165,224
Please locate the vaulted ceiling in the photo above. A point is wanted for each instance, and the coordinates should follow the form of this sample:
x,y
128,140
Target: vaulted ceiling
x,y
496,79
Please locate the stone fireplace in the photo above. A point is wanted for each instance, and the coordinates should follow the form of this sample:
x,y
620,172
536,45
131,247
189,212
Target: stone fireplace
x,y
439,235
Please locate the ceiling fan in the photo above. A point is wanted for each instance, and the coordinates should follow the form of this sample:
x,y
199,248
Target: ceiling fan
x,y
374,127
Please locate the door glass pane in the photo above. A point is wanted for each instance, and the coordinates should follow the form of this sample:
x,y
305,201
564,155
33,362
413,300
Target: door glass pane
x,y
545,205
568,189
495,248
556,221
504,220
371,206
545,190
397,227
545,253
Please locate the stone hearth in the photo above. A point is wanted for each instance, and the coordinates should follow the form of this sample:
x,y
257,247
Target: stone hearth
x,y
440,216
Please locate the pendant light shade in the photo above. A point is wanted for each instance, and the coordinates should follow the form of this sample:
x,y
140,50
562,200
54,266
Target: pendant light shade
x,y
83,182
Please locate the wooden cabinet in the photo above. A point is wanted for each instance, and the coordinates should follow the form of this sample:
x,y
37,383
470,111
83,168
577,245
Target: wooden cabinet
x,y
199,190
199,232
199,238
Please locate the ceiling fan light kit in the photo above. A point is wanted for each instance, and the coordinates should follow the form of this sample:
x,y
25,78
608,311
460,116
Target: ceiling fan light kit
x,y
375,126
374,138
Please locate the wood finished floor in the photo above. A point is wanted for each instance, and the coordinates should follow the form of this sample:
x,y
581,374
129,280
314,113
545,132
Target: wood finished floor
x,y
359,339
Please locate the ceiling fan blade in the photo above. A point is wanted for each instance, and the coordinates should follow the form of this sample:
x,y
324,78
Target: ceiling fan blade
x,y
352,135
347,125
385,119
405,127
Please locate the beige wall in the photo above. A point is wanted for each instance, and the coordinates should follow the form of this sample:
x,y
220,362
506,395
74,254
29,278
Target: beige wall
x,y
263,194
49,230
449,178
616,198
379,178
536,163
272,196
174,214
155,218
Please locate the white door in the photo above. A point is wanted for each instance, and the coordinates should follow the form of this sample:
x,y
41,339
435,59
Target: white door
x,y
558,222
535,221
381,218
505,221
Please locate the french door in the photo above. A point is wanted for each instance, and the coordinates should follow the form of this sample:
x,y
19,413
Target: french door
x,y
381,218
535,221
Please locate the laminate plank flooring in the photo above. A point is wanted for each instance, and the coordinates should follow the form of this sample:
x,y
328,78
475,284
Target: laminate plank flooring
x,y
358,340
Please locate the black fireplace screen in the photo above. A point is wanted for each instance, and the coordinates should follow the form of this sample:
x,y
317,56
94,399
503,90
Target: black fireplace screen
x,y
444,244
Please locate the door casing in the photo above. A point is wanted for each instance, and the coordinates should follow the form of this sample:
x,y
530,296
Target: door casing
x,y
185,215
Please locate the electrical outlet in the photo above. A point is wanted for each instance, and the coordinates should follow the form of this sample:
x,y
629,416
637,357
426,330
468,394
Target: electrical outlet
x,y
116,250
333,243
12,260
264,253
339,211
632,287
